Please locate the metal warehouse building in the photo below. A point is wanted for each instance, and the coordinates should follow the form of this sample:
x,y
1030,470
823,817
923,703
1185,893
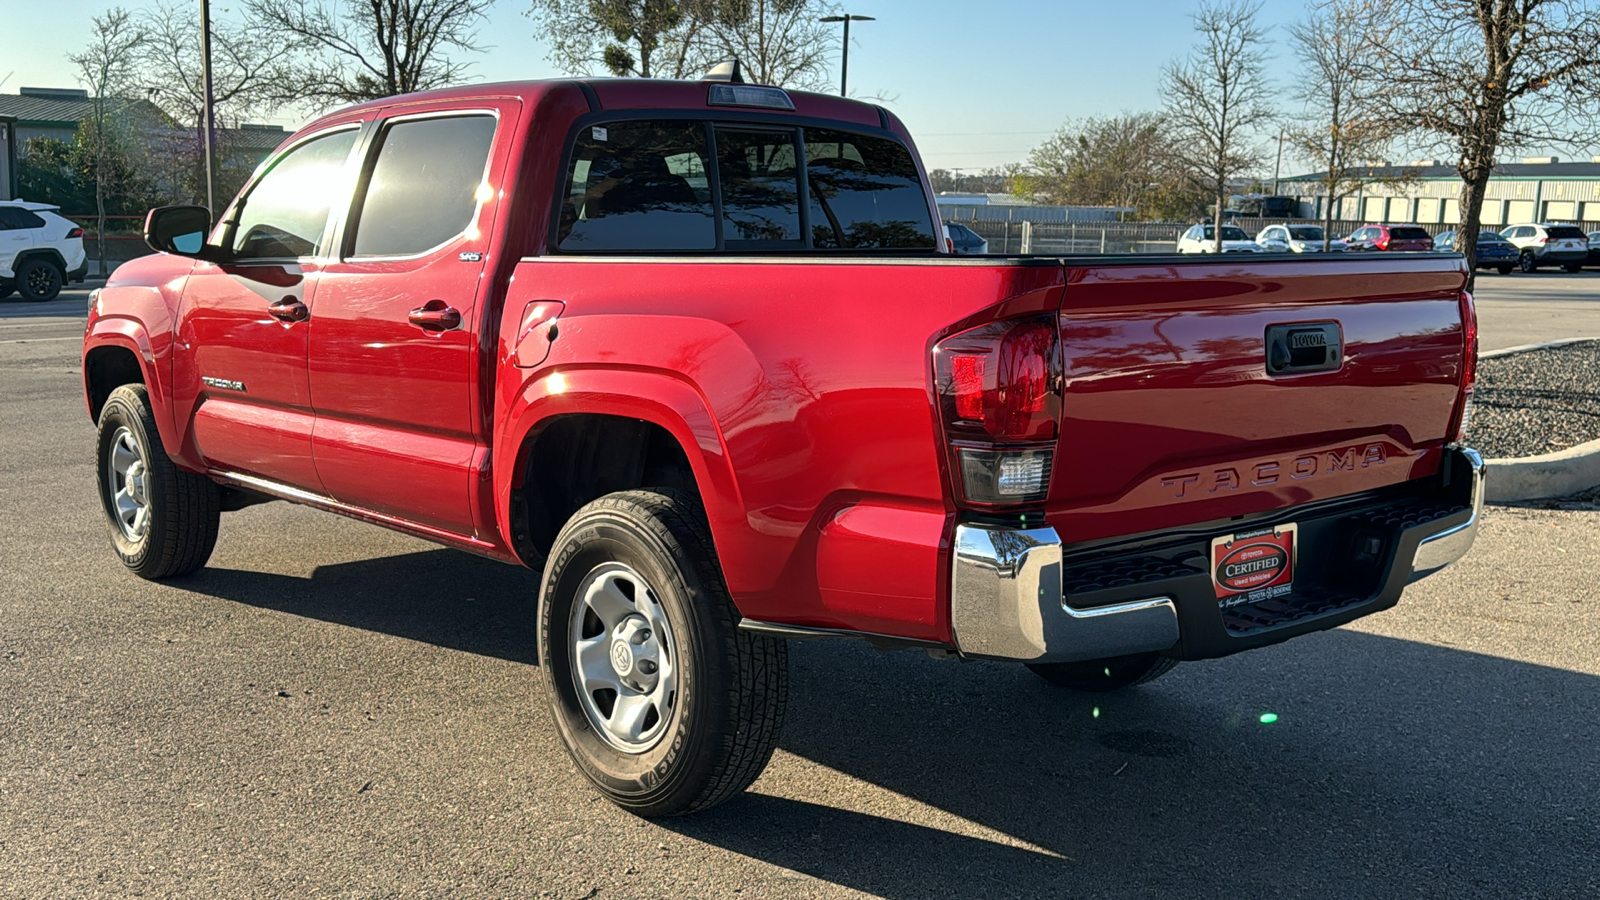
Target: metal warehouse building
x,y
1540,189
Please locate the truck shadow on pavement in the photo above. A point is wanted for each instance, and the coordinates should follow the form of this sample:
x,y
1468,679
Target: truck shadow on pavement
x,y
1393,768
439,597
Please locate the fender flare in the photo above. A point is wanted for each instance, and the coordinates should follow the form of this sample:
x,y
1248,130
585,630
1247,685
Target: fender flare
x,y
660,398
130,334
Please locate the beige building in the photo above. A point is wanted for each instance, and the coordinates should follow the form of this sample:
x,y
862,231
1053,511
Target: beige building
x,y
1539,189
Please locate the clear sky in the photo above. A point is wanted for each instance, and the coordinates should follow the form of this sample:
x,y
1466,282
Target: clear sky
x,y
977,81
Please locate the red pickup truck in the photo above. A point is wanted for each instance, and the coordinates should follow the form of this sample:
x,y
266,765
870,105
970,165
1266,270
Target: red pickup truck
x,y
694,351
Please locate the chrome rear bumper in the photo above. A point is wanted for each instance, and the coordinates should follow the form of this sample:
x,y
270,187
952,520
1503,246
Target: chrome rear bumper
x,y
1006,603
1007,599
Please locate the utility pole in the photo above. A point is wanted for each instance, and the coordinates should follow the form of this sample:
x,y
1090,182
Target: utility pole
x,y
208,117
1277,167
844,62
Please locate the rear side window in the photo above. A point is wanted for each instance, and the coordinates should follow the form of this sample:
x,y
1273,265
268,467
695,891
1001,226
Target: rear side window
x,y
865,193
638,186
1564,231
15,217
654,186
1408,234
423,190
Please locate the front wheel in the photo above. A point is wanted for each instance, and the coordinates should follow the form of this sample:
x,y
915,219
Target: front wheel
x,y
163,520
1102,675
1573,267
1527,263
663,703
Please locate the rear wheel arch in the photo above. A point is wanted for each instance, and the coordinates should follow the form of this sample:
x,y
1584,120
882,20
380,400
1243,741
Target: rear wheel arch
x,y
49,254
568,460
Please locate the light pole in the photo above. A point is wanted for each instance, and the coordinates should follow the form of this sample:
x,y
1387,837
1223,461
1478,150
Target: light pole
x,y
844,62
208,117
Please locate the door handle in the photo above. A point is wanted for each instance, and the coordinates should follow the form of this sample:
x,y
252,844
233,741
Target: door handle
x,y
435,316
289,309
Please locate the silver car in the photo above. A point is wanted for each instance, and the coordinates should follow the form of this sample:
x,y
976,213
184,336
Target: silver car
x,y
1549,245
1295,239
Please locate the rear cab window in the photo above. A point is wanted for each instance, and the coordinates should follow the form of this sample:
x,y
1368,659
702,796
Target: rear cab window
x,y
685,185
1565,231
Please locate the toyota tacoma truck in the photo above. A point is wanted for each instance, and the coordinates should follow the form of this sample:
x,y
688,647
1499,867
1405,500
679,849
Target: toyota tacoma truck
x,y
695,353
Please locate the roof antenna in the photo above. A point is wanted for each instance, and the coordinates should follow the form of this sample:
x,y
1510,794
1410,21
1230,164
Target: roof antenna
x,y
727,70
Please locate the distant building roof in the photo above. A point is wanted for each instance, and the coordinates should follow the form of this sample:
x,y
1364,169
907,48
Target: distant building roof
x,y
264,138
1504,170
59,106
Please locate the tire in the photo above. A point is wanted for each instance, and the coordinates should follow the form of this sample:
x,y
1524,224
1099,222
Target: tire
x,y
1504,270
1572,267
1527,263
1104,675
38,280
163,520
642,563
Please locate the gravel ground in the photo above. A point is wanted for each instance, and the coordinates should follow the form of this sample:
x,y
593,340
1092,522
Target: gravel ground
x,y
1537,402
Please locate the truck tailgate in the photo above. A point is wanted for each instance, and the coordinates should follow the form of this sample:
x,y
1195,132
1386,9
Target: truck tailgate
x,y
1172,418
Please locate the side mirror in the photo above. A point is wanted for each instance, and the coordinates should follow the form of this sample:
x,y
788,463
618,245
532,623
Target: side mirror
x,y
179,230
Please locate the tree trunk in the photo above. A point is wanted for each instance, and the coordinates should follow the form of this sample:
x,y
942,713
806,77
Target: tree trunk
x,y
1474,185
1327,222
1216,222
100,212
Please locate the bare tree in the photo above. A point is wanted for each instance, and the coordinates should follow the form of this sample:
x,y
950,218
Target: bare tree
x,y
1476,78
247,76
366,49
1342,130
777,42
106,68
1216,98
643,38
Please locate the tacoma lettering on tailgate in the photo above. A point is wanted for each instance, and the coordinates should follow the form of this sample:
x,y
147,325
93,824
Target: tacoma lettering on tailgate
x,y
1270,471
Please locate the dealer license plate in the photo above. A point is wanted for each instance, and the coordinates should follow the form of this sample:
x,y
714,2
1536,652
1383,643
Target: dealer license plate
x,y
1251,566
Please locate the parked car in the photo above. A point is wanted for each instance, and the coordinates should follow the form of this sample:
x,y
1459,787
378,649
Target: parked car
x,y
1295,239
1389,238
1548,245
1095,467
40,251
1494,251
964,241
1202,239
1594,249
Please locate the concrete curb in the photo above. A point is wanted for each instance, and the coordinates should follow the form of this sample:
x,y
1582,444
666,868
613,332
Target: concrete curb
x,y
1549,475
1524,348
1543,477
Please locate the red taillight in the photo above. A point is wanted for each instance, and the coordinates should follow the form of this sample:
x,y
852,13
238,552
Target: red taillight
x,y
999,402
76,232
1462,419
1383,242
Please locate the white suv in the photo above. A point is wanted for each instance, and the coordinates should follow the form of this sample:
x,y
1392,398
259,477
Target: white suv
x,y
1549,245
39,251
1202,239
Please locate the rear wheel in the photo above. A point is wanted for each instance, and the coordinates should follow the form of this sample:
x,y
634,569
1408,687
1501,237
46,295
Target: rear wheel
x,y
39,280
1102,675
664,704
1527,263
1503,270
1573,267
163,520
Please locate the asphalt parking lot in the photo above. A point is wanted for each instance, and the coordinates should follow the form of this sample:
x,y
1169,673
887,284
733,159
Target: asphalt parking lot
x,y
333,710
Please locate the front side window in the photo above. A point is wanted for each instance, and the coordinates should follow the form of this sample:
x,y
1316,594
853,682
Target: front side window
x,y
1306,233
285,212
423,190
638,186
